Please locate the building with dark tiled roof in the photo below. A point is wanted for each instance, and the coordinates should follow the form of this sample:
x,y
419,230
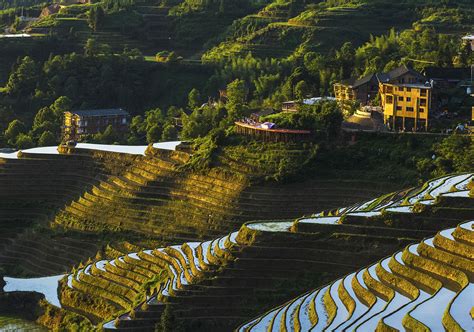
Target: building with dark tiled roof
x,y
445,78
366,88
80,123
405,95
401,75
362,89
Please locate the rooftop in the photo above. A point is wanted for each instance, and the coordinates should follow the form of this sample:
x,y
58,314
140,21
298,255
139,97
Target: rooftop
x,y
397,72
102,112
382,77
416,86
356,82
258,126
314,100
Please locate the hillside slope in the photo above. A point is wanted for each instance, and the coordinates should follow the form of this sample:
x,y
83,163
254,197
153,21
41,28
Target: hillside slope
x,y
282,28
427,286
265,28
218,284
60,202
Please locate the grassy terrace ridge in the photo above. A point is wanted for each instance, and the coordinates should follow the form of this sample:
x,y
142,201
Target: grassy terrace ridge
x,y
202,285
61,202
414,200
149,198
33,188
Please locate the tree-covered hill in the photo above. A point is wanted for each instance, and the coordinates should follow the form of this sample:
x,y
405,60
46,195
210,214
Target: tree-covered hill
x,y
268,28
145,54
284,27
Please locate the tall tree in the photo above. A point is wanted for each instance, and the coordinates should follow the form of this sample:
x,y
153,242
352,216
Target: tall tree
x,y
23,80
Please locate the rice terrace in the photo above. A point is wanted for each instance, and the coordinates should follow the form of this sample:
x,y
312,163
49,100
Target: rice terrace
x,y
236,165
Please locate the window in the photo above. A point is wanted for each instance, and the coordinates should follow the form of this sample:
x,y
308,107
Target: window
x,y
409,109
422,102
423,92
408,99
422,110
124,120
408,89
389,99
400,98
399,108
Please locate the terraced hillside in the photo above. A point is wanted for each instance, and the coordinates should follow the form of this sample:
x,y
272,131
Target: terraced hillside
x,y
425,287
285,27
156,195
32,188
274,29
144,25
71,206
218,284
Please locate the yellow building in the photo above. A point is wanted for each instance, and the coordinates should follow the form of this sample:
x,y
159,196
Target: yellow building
x,y
344,92
406,106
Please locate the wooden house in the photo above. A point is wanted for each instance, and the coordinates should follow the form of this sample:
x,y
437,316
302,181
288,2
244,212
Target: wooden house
x,y
362,89
78,124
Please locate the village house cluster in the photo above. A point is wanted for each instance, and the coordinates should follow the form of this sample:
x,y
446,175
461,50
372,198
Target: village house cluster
x,y
406,96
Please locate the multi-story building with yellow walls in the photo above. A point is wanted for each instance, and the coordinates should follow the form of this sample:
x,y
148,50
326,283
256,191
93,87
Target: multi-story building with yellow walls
x,y
406,106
